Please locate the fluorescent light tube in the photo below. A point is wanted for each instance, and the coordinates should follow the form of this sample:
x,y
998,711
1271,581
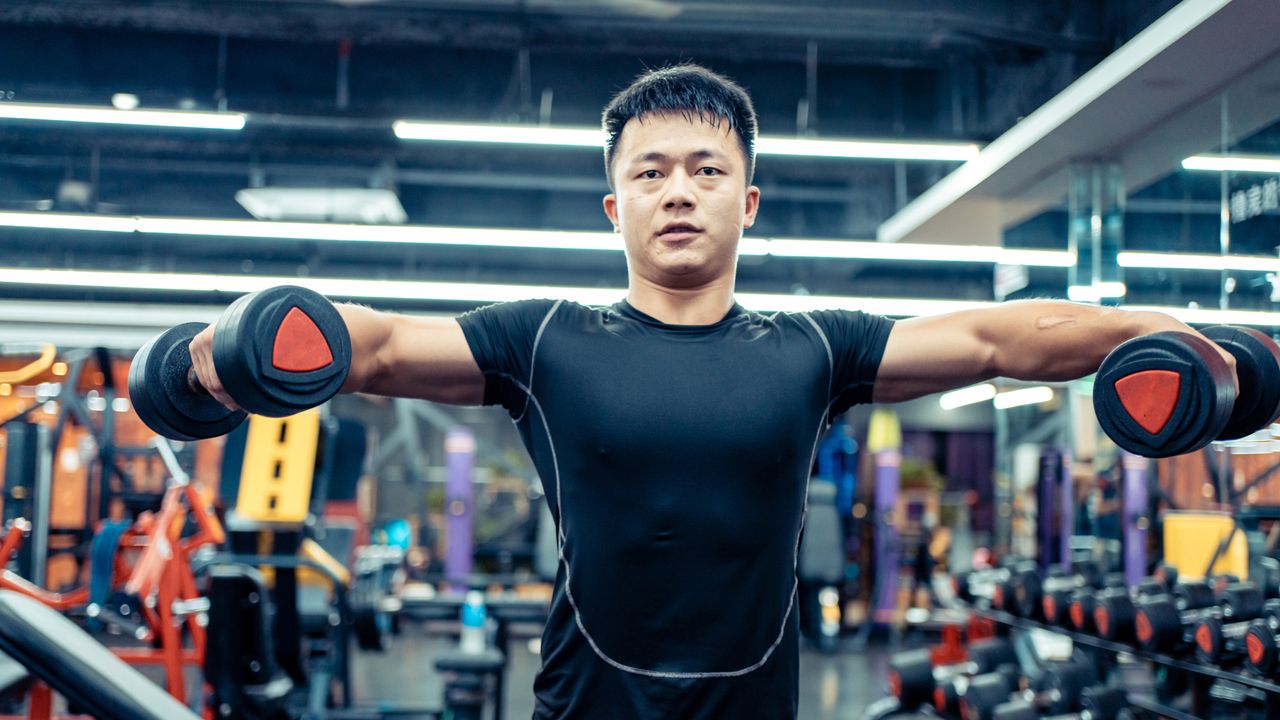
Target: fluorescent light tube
x,y
1023,396
967,396
510,238
866,149
1233,163
1198,261
512,134
446,291
112,116
766,145
871,250
489,292
1096,291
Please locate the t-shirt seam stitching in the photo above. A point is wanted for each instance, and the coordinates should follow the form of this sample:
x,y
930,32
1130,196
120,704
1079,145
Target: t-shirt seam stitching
x,y
831,362
533,355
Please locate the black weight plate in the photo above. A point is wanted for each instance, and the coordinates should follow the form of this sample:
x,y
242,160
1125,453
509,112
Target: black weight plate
x,y
162,397
1209,640
1150,588
1083,602
1181,417
985,692
1113,615
946,700
911,677
1258,370
990,653
1167,574
1068,678
1193,595
282,350
1260,647
1158,625
1241,601
146,395
1027,593
1056,604
1104,703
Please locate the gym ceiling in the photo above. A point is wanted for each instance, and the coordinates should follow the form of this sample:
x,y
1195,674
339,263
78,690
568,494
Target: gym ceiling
x,y
321,83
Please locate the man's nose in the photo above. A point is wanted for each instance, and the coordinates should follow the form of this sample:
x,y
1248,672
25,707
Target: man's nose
x,y
679,191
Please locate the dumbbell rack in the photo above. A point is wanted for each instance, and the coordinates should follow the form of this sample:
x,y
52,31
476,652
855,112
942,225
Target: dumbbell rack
x,y
1201,677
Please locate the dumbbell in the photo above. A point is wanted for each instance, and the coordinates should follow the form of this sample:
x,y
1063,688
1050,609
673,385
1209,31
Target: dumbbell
x,y
1056,690
277,352
1221,643
1164,623
1005,593
1262,642
1080,603
1167,574
948,694
1056,591
1115,610
1096,703
1171,393
961,583
1030,588
1084,602
991,583
913,677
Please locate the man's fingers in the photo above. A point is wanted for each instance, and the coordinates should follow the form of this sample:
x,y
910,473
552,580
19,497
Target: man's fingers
x,y
201,349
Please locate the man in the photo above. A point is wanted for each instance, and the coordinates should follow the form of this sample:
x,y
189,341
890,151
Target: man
x,y
675,430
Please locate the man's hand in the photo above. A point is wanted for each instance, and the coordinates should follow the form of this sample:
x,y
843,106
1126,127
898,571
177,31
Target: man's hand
x,y
201,349
1154,322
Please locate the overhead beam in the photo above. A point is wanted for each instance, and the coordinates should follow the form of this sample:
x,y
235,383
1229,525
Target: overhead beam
x,y
1179,63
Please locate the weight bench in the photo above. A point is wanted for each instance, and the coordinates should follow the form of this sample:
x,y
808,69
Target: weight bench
x,y
86,673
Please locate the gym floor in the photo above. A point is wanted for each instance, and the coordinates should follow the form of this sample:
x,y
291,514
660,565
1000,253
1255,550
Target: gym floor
x,y
833,686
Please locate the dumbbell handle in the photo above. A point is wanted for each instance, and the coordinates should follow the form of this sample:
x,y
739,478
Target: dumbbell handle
x,y
1236,630
948,673
1020,709
193,382
1039,698
1060,583
1222,643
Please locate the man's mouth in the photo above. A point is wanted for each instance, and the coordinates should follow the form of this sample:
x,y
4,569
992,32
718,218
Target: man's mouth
x,y
678,231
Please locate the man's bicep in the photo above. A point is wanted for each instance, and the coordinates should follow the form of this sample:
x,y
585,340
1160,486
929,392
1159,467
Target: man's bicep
x,y
931,354
429,358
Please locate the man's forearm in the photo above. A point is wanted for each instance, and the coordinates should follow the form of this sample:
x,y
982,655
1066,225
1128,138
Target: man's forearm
x,y
1057,340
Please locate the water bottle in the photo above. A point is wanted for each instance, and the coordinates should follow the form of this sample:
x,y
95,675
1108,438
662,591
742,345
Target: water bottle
x,y
474,616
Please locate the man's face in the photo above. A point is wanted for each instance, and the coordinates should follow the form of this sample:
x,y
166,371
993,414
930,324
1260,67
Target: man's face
x,y
681,199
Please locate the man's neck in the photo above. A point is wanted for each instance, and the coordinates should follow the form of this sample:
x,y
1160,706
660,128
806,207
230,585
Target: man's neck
x,y
703,305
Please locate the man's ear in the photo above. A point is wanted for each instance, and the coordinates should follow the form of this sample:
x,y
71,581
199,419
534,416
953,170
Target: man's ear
x,y
611,210
752,205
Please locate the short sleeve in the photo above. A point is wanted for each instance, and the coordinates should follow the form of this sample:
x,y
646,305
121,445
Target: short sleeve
x,y
502,339
857,342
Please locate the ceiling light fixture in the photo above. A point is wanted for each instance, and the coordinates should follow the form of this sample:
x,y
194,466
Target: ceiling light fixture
x,y
113,116
766,145
1233,163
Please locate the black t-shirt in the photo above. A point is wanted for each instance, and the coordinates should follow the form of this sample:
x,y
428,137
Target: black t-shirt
x,y
676,460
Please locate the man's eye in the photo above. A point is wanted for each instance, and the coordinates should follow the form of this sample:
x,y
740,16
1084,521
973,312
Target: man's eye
x,y
650,174
708,171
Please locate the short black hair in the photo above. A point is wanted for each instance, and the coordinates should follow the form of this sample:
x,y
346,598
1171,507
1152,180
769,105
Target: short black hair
x,y
688,89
